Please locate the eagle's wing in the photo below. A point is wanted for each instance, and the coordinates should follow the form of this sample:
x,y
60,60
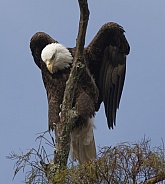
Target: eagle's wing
x,y
38,41
107,63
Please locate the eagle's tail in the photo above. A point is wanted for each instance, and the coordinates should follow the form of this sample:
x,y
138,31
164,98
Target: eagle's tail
x,y
82,146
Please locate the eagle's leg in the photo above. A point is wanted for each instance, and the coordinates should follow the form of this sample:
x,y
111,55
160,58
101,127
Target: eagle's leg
x,y
85,106
82,146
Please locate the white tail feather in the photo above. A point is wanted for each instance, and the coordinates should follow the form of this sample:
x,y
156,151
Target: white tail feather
x,y
82,146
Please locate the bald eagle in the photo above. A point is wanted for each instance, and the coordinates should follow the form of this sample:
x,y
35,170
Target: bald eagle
x,y
101,81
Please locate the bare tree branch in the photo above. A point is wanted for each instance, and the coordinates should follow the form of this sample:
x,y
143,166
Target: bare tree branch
x,y
159,177
78,58
68,114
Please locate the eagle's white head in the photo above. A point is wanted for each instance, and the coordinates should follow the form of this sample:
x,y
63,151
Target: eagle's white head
x,y
56,57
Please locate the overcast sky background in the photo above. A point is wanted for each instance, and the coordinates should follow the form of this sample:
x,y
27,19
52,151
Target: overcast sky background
x,y
23,102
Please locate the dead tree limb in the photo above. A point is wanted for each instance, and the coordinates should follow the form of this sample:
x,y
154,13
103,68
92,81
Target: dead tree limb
x,y
158,178
68,114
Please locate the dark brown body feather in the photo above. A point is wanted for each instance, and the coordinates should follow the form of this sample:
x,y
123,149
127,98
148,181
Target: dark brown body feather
x,y
86,94
106,62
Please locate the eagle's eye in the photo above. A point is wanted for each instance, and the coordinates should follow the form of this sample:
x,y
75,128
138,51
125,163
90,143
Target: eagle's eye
x,y
53,56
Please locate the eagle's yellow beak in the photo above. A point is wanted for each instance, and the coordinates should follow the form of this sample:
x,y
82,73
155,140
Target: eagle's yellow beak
x,y
49,66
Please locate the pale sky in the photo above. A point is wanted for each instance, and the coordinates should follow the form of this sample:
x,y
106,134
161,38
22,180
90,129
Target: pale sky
x,y
23,102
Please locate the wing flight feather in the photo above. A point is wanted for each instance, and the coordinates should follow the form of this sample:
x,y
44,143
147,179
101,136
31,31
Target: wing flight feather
x,y
107,63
